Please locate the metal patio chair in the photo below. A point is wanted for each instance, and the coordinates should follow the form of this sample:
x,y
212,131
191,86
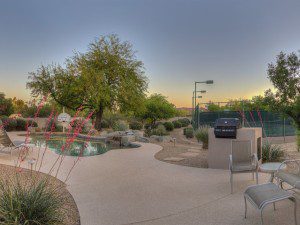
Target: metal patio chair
x,y
242,160
289,173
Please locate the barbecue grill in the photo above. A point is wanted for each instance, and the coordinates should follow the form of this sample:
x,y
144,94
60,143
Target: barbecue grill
x,y
226,127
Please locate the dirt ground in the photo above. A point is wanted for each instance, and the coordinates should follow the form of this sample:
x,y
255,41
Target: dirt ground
x,y
188,152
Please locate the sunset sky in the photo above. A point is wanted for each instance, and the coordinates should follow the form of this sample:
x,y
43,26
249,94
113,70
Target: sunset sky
x,y
180,42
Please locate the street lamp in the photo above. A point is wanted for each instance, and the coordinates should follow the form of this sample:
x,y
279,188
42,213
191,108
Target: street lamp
x,y
195,92
201,82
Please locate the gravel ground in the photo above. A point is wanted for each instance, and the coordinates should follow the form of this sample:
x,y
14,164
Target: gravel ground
x,y
183,145
72,214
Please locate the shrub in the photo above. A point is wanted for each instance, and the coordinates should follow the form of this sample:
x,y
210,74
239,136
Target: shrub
x,y
184,122
104,124
169,126
272,153
202,135
21,124
189,132
147,126
120,126
135,125
80,122
57,127
147,132
160,131
177,124
9,123
32,123
298,139
113,118
157,124
33,203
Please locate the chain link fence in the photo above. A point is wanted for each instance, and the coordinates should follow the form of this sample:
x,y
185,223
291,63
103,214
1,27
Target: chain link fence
x,y
273,124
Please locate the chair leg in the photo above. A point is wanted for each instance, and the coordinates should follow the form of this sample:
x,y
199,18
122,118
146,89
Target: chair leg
x,y
274,206
231,183
295,211
261,217
256,173
245,207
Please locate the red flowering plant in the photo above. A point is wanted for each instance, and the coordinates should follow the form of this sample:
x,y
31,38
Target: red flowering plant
x,y
44,187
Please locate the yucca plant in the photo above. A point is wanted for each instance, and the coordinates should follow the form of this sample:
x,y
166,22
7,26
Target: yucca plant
x,y
202,135
34,203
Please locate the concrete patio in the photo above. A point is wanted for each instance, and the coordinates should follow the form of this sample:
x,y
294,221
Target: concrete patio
x,y
132,187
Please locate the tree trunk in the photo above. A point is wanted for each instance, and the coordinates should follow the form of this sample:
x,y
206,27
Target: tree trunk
x,y
99,114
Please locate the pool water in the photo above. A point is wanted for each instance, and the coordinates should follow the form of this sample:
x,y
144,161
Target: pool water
x,y
79,147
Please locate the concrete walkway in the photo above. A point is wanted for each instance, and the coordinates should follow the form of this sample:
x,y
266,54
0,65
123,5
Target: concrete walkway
x,y
132,187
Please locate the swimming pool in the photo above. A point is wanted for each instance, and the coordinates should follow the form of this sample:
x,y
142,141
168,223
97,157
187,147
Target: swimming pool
x,y
80,147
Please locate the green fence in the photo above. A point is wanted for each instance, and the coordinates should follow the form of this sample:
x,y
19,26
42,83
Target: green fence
x,y
274,124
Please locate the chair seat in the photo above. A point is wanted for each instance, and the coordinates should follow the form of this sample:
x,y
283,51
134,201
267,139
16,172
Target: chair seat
x,y
291,179
243,167
266,193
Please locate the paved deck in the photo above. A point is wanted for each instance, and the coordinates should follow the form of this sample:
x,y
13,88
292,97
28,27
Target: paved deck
x,y
132,187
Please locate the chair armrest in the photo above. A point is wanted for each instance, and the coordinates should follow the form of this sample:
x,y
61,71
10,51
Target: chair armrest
x,y
297,161
255,160
230,162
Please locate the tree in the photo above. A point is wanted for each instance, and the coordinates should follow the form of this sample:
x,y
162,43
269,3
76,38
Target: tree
x,y
108,75
19,106
212,107
6,105
285,76
157,107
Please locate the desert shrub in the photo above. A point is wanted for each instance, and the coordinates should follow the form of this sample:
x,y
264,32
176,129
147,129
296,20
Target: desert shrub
x,y
189,132
135,125
184,122
169,126
113,118
32,204
160,131
120,126
104,124
57,127
177,124
147,132
298,139
21,124
9,123
85,126
157,124
202,135
147,126
32,123
272,153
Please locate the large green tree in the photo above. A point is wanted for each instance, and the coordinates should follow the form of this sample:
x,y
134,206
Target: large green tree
x,y
285,76
108,76
157,107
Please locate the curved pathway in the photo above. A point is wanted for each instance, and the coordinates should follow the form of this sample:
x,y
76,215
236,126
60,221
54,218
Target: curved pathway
x,y
131,187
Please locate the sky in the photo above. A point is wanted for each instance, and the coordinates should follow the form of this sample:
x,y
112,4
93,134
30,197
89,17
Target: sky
x,y
179,41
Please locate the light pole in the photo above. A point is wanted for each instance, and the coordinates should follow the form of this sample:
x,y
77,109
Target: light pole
x,y
193,106
195,93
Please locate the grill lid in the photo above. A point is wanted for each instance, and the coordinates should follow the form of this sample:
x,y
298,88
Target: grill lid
x,y
227,122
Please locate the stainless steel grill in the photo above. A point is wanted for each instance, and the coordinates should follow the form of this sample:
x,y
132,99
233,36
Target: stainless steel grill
x,y
226,127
